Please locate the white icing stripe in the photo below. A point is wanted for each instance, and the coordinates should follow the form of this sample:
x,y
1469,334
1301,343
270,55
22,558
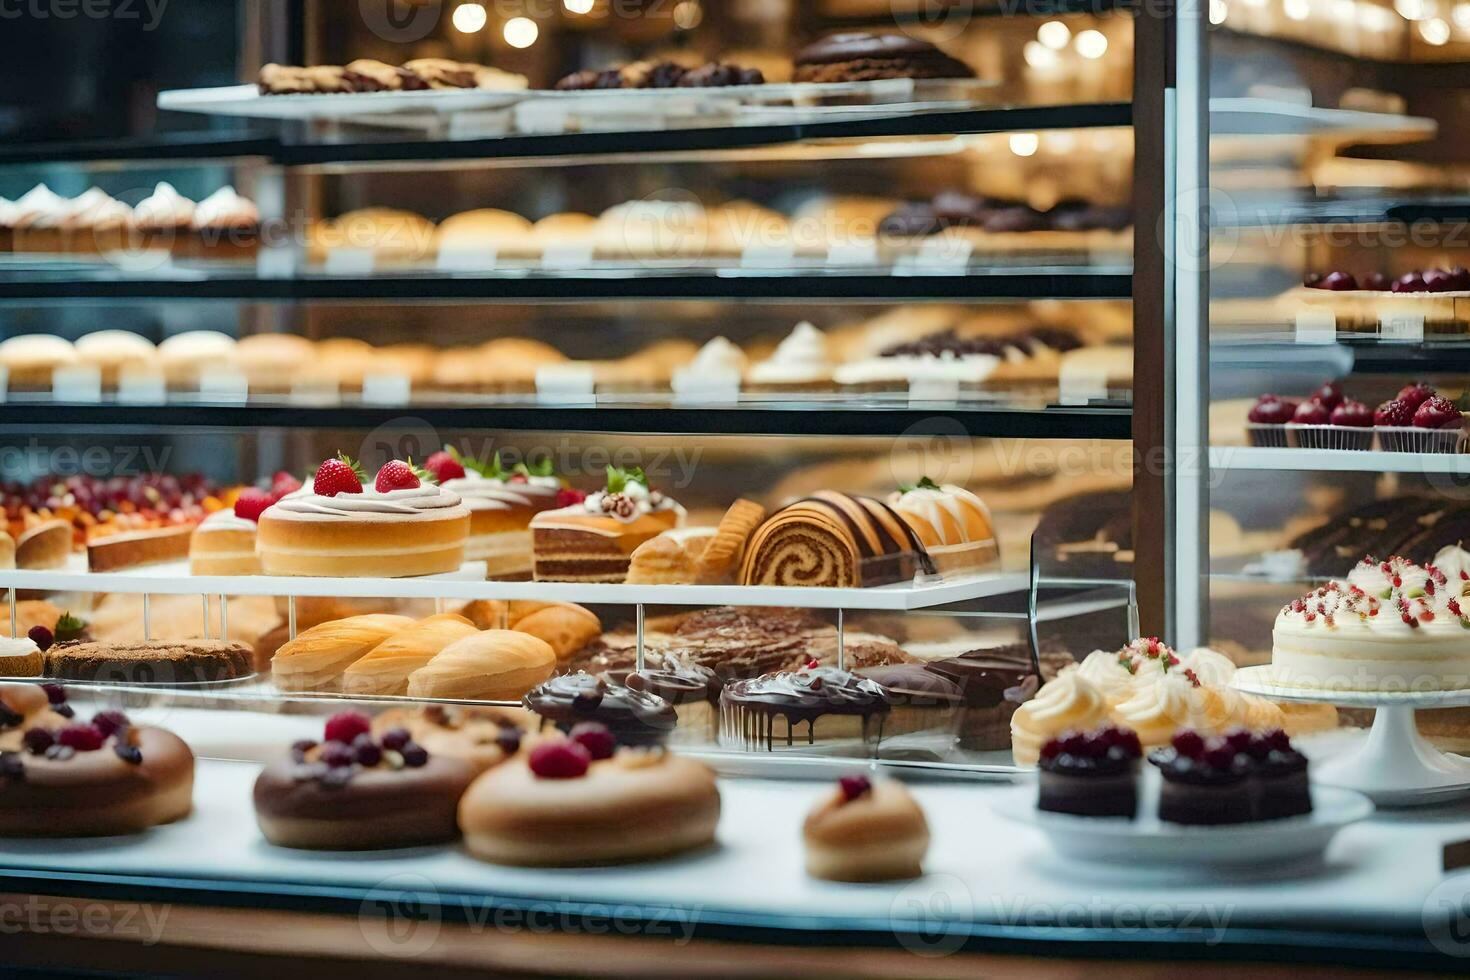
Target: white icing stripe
x,y
413,500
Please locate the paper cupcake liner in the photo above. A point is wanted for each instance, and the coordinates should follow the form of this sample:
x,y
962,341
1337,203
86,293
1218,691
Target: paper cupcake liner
x,y
1329,437
1408,439
1266,436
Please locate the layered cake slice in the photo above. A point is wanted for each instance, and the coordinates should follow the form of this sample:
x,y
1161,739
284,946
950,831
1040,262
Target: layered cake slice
x,y
593,541
501,502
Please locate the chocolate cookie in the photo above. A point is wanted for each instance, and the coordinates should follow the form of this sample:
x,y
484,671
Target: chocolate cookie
x,y
861,56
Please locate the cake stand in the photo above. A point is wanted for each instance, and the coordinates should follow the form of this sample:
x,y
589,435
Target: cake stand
x,y
1395,766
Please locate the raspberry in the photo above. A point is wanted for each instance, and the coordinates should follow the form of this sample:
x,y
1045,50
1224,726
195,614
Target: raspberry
x,y
1219,756
252,503
334,476
110,722
559,760
396,475
444,467
1051,749
1393,413
854,787
568,497
1188,743
595,738
82,738
346,726
1330,395
41,637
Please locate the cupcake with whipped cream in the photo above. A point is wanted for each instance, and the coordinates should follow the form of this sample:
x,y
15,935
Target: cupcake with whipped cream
x,y
715,372
801,362
163,221
20,657
95,222
36,220
226,226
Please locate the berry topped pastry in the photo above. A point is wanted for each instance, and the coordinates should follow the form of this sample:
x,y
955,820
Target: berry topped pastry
x,y
354,790
866,830
402,523
579,799
63,777
593,540
1232,778
1091,774
1267,417
1419,420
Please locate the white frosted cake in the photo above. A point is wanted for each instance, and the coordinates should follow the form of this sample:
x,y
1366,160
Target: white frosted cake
x,y
1390,626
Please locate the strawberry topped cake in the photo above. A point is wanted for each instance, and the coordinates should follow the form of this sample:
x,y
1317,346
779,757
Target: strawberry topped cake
x,y
593,540
1389,626
501,502
402,524
224,542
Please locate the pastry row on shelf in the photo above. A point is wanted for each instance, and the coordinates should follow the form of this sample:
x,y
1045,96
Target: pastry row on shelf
x,y
223,225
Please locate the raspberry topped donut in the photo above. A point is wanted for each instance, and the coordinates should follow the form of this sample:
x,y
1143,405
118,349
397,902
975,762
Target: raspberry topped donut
x,y
352,791
866,830
581,800
63,777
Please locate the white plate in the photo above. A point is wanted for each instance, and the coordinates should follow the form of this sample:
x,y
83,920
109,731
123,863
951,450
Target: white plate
x,y
1147,840
246,100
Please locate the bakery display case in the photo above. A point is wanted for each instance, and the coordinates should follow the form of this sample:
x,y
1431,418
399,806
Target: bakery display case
x,y
484,444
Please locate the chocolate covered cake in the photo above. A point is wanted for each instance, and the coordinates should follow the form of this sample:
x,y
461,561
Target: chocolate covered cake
x,y
802,707
150,662
634,717
1090,774
862,56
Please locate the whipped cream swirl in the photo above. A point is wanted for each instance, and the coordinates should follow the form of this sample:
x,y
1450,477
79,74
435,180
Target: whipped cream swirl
x,y
408,501
490,493
801,357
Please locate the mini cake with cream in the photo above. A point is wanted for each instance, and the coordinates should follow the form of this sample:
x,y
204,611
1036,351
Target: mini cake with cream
x,y
403,525
801,362
594,540
953,523
866,830
1390,626
501,502
224,542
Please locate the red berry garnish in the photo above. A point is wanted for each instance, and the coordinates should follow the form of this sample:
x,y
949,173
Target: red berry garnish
x,y
1437,413
334,476
252,503
396,475
1410,282
345,726
1377,282
812,664
1352,413
1339,282
110,722
284,483
82,738
41,637
1394,413
1438,281
1238,739
1219,755
1074,743
568,497
1330,395
55,693
1188,743
1270,410
559,760
444,467
1051,749
854,786
1311,413
595,738
1415,394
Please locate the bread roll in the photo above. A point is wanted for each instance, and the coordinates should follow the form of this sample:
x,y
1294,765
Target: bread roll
x,y
495,665
672,558
385,668
315,660
563,626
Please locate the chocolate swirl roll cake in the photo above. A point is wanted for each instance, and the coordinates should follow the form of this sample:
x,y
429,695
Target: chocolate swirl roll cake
x,y
807,706
836,540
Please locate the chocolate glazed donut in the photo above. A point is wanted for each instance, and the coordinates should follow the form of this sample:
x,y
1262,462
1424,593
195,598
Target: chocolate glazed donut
x,y
834,539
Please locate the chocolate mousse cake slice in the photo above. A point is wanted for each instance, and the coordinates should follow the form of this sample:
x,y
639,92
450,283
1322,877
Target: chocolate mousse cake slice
x,y
1205,781
1090,774
149,661
802,708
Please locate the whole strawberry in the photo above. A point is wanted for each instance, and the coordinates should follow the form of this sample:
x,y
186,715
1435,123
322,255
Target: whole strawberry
x,y
283,483
334,476
568,497
396,475
1393,413
252,502
1416,394
1437,413
444,467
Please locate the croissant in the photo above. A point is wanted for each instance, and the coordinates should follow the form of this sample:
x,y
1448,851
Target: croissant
x,y
563,626
315,660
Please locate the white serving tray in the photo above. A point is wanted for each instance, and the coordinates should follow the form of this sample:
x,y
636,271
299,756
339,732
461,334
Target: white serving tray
x,y
246,100
173,578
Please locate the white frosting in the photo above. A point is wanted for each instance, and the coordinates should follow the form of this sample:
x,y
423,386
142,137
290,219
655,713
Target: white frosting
x,y
164,208
1454,562
225,209
1106,670
193,346
1380,578
801,357
96,209
38,207
19,646
1211,667
224,520
943,508
411,500
718,362
1160,707
7,212
486,493
1068,702
644,502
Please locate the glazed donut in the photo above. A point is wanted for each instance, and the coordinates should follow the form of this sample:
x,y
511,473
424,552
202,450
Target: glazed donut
x,y
64,778
866,831
354,792
561,805
480,736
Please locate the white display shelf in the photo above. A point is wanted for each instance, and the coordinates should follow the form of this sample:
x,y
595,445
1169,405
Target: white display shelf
x,y
173,578
1336,460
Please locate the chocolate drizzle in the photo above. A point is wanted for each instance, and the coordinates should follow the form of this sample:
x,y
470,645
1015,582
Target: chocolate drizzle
x,y
750,708
633,717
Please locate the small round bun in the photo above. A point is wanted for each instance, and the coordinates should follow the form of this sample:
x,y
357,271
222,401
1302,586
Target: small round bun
x,y
879,835
636,806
